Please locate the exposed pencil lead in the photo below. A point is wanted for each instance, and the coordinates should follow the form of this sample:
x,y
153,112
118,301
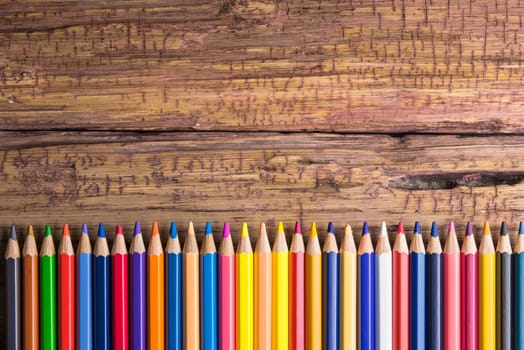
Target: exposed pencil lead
x,y
434,229
331,228
487,229
30,231
65,230
469,229
244,232
280,227
226,231
503,229
208,230
47,231
84,229
13,232
138,230
173,233
313,233
119,230
383,229
400,227
451,227
298,229
154,229
416,229
365,228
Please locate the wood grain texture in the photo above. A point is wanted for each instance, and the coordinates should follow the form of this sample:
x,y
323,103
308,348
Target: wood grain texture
x,y
392,66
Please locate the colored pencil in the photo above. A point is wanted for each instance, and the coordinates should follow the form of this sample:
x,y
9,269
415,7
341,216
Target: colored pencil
x,y
190,294
518,297
244,292
48,334
503,261
66,292
101,292
451,291
208,291
226,291
400,290
120,302
383,291
469,291
174,290
366,291
13,288
434,291
297,313
155,291
487,291
31,317
417,291
84,286
313,292
280,290
263,289
330,307
137,294
348,290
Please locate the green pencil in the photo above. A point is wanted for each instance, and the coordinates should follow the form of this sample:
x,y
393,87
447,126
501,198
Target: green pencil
x,y
48,292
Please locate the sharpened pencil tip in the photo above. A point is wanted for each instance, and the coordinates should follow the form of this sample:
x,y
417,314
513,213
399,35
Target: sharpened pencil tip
x,y
208,230
313,233
383,229
138,230
101,231
521,228
65,230
173,233
84,229
190,229
503,229
400,227
280,227
244,231
451,227
47,231
487,229
154,229
469,229
331,228
30,231
119,230
365,228
298,229
434,229
13,232
226,232
416,229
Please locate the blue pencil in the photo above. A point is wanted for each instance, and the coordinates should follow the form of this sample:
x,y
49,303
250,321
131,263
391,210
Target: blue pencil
x,y
518,295
417,291
366,291
434,290
208,292
101,292
84,286
137,293
174,290
330,267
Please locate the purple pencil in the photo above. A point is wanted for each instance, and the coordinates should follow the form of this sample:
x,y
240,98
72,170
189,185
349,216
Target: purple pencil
x,y
137,260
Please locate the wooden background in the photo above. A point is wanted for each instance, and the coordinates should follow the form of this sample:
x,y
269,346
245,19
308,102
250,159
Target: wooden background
x,y
260,111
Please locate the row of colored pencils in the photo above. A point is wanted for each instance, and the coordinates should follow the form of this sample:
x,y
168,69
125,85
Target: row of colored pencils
x,y
303,297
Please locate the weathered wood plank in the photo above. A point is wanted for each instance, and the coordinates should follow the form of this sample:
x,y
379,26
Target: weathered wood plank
x,y
121,177
352,66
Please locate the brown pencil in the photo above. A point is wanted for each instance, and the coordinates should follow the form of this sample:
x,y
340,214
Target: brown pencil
x,y
31,307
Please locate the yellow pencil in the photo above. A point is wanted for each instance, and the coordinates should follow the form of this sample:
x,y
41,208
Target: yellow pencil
x,y
348,292
244,291
487,288
280,262
313,291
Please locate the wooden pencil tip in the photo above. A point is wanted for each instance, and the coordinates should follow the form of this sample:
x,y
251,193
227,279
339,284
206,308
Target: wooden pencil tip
x,y
280,227
416,229
119,230
263,231
190,229
347,230
30,231
331,228
469,229
13,232
47,231
365,228
173,233
298,229
208,228
84,229
383,229
65,230
434,229
244,232
451,227
503,229
101,231
313,232
154,229
138,230
226,232
487,229
521,228
400,228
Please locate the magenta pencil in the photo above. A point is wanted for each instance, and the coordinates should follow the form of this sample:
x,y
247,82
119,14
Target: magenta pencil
x,y
226,291
469,291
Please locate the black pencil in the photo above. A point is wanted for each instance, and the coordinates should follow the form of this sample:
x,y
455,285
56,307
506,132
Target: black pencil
x,y
13,292
503,274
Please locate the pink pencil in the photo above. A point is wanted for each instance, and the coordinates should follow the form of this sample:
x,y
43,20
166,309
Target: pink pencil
x,y
226,291
469,291
451,264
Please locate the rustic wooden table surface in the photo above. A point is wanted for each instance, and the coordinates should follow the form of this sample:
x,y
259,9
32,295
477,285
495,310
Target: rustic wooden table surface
x,y
260,111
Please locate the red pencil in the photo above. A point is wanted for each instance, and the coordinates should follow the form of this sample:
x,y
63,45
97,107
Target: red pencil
x,y
66,290
120,292
400,291
297,320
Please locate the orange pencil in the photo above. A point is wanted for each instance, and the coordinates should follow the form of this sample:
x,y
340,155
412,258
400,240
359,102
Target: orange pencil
x,y
31,334
191,294
262,289
155,291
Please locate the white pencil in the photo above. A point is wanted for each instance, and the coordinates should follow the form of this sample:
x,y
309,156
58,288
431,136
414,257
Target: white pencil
x,y
383,292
